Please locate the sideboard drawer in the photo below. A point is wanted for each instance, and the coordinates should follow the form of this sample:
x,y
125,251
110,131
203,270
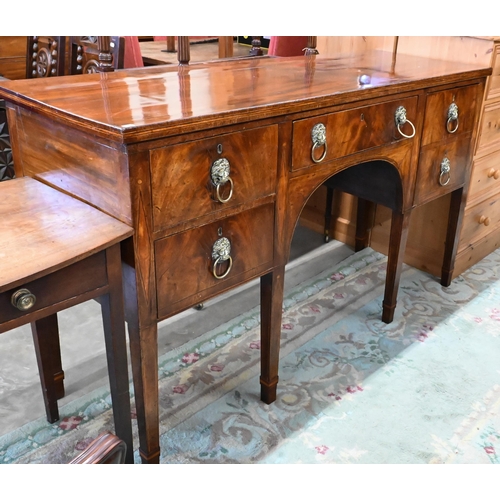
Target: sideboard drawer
x,y
185,261
432,179
480,220
439,123
350,131
183,187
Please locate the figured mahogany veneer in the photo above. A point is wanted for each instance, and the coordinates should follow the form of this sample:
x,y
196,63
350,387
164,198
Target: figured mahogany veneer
x,y
140,145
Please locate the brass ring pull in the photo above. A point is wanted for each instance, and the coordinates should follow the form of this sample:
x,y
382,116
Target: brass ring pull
x,y
484,220
23,299
220,253
400,118
318,136
214,269
225,200
444,175
452,117
219,174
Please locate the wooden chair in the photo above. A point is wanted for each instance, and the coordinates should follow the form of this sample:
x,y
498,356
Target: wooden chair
x,y
93,54
6,162
45,56
105,449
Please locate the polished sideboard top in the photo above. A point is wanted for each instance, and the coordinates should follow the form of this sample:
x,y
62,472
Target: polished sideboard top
x,y
143,104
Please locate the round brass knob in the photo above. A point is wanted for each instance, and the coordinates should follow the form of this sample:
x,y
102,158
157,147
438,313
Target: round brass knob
x,y
484,220
494,173
23,299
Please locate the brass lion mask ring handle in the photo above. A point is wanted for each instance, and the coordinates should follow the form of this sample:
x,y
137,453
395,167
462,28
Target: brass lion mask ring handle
x,y
452,118
400,119
219,174
444,175
221,253
318,136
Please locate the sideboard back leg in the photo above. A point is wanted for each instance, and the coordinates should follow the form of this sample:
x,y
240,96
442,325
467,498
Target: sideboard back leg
x,y
457,207
397,245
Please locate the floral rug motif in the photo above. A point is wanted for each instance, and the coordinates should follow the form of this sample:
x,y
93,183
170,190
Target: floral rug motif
x,y
424,389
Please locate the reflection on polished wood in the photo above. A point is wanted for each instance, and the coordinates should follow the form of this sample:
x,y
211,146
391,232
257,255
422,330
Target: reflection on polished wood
x,y
135,142
154,53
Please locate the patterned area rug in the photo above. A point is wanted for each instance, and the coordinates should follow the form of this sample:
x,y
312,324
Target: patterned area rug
x,y
424,389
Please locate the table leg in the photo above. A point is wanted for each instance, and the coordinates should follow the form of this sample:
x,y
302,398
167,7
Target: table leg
x,y
457,207
144,357
271,304
45,333
397,245
328,212
364,213
144,354
113,318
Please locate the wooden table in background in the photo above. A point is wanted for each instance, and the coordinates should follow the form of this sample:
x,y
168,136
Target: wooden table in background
x,y
62,252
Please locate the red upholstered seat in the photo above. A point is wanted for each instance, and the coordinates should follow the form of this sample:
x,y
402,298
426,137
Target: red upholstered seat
x,y
287,46
132,57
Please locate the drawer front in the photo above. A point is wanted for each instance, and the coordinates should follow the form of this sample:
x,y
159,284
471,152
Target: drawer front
x,y
350,131
74,280
480,220
432,179
439,125
489,133
485,176
494,80
181,175
185,261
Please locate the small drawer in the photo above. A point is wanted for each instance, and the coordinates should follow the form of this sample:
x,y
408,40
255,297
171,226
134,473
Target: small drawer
x,y
76,279
442,168
196,178
493,90
449,113
485,176
186,262
479,221
347,132
489,132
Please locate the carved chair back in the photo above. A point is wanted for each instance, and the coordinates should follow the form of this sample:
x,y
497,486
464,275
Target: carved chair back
x,y
87,53
45,56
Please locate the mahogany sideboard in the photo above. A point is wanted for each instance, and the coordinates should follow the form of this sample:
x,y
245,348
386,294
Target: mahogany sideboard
x,y
212,164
